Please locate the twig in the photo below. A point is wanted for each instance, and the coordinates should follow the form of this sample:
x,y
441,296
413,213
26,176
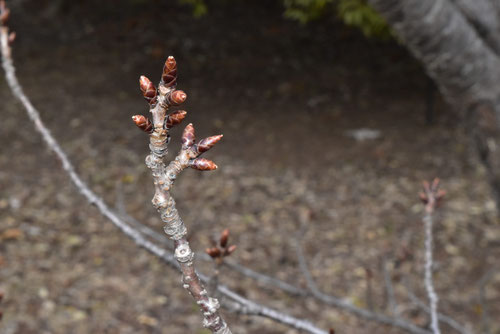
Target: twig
x,y
431,197
443,318
389,289
483,282
160,100
104,209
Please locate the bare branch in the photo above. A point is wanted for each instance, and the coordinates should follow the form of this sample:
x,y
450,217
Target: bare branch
x,y
431,198
443,318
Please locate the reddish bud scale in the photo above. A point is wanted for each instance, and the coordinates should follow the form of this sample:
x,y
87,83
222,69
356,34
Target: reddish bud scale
x,y
203,164
4,15
231,249
175,118
207,143
188,136
224,237
12,38
148,89
176,98
169,75
213,252
143,123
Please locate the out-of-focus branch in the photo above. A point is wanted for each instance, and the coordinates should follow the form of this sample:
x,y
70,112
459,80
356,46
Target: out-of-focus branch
x,y
363,313
443,318
431,196
7,63
485,316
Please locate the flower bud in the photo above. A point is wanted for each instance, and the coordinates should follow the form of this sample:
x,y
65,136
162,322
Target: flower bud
x,y
188,136
143,123
12,38
175,118
148,89
207,143
224,237
4,15
203,164
169,75
213,252
176,98
231,249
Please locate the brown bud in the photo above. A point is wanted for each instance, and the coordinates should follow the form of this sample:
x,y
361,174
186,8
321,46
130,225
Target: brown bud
x,y
148,89
169,75
176,98
203,164
188,136
230,250
175,118
207,143
1,295
12,37
4,15
1,315
423,197
143,123
224,237
214,252
435,185
331,331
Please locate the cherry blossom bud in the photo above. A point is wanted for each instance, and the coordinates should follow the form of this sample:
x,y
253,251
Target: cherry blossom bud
x,y
176,98
175,118
12,38
224,237
4,16
207,143
169,75
203,164
148,89
188,136
231,249
213,252
143,123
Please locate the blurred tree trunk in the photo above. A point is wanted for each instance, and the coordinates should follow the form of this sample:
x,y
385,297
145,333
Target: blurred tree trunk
x,y
457,41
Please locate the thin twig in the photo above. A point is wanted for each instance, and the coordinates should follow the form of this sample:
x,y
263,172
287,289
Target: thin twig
x,y
389,289
443,318
431,197
483,282
92,198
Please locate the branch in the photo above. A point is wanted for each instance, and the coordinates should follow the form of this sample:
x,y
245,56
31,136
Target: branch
x,y
431,198
104,209
164,176
443,318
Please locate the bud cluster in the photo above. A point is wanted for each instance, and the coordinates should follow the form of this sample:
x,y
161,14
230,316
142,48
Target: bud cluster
x,y
221,248
431,195
4,20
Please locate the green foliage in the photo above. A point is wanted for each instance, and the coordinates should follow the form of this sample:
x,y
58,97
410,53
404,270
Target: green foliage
x,y
199,7
356,13
359,14
306,10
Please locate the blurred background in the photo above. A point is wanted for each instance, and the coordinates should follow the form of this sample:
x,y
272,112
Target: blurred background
x,y
328,123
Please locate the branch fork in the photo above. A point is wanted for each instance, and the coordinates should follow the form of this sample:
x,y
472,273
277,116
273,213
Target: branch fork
x,y
160,100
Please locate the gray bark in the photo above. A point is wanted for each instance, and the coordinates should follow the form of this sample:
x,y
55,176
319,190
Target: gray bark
x,y
484,17
465,68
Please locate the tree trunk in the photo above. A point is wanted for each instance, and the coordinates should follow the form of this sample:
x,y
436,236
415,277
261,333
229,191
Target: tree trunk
x,y
465,68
